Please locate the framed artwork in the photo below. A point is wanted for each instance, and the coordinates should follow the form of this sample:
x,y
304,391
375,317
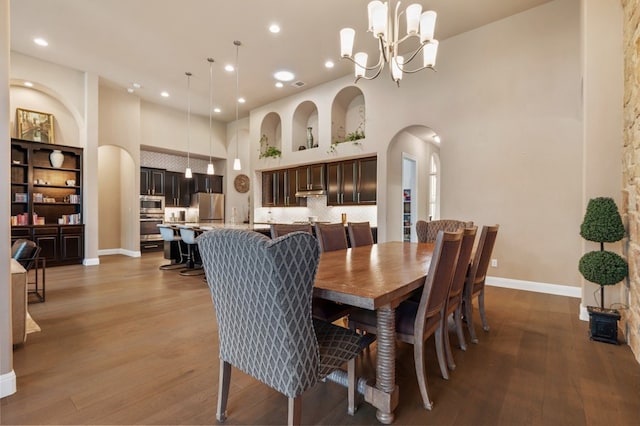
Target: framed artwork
x,y
35,126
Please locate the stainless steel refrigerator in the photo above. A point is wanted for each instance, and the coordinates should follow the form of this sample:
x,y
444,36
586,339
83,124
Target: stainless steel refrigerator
x,y
210,206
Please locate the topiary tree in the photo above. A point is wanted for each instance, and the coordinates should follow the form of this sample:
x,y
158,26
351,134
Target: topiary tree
x,y
602,223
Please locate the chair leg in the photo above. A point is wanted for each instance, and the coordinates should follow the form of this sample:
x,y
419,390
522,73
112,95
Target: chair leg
x,y
418,356
440,351
457,318
483,315
351,388
468,314
223,390
295,410
447,344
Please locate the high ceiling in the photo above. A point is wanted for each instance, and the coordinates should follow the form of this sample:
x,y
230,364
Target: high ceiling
x,y
153,42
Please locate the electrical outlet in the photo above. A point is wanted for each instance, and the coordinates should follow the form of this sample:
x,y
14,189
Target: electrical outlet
x,y
494,263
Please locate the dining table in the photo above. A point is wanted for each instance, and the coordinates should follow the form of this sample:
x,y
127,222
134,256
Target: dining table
x,y
376,277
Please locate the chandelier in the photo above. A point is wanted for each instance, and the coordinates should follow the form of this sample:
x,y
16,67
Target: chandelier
x,y
386,28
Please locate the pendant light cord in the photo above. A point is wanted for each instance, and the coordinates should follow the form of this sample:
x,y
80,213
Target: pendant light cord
x,y
188,119
237,43
210,106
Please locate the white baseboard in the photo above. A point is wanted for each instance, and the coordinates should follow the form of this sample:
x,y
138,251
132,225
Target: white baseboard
x,y
109,252
7,384
555,289
91,261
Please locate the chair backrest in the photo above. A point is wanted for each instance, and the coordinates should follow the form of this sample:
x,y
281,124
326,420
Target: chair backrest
x,y
280,229
261,290
188,235
25,252
360,234
331,236
427,231
480,264
462,266
167,233
438,280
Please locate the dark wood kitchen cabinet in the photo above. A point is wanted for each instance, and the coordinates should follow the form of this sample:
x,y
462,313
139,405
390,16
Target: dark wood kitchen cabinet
x,y
178,190
207,183
279,189
352,182
151,181
311,177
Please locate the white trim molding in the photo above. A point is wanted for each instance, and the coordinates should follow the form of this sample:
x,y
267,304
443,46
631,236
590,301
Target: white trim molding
x,y
7,384
124,252
91,261
556,289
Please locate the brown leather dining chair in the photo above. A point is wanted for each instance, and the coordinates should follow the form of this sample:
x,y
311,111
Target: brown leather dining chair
x,y
360,234
454,301
331,237
280,229
416,322
474,285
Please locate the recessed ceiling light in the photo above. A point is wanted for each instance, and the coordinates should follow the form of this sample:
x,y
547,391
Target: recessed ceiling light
x,y
217,110
136,85
329,64
279,84
129,90
241,100
28,84
164,94
40,42
284,76
274,28
228,67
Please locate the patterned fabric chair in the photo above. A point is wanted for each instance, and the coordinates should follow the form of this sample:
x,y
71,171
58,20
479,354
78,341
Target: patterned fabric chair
x,y
474,285
261,291
360,234
428,231
416,322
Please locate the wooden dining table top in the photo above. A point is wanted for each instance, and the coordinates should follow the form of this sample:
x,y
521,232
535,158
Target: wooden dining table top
x,y
373,276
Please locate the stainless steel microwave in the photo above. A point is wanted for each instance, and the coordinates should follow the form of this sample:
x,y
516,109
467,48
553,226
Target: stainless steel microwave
x,y
151,204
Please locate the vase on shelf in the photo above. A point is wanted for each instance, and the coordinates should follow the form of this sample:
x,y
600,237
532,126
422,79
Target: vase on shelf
x,y
309,137
56,158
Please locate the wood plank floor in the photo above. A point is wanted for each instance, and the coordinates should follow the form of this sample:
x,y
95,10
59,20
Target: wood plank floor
x,y
126,343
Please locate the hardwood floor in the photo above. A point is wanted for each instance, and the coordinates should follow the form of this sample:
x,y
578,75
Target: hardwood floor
x,y
126,343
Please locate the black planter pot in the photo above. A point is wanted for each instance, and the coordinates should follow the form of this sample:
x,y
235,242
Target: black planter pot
x,y
603,324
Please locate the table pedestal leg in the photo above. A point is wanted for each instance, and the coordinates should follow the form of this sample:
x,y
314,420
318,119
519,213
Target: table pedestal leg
x,y
385,368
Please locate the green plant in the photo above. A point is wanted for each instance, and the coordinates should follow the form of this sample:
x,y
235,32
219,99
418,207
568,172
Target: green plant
x,y
602,223
267,150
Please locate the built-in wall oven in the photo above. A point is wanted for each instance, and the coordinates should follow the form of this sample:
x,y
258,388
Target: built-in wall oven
x,y
151,215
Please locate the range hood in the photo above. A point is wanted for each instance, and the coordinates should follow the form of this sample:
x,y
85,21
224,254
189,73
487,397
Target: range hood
x,y
311,193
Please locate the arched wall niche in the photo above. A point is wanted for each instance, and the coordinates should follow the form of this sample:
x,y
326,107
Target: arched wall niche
x,y
67,120
271,127
348,113
305,116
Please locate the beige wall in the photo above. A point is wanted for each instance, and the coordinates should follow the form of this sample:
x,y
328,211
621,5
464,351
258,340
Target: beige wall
x,y
109,201
631,160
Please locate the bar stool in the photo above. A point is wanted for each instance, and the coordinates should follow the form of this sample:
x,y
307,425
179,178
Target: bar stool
x,y
189,238
169,235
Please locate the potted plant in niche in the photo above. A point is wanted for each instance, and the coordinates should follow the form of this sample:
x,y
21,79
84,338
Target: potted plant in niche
x,y
602,224
266,150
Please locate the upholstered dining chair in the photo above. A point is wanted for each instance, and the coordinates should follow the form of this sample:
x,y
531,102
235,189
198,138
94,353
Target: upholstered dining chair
x,y
416,322
474,285
331,237
427,231
261,290
454,301
280,229
360,234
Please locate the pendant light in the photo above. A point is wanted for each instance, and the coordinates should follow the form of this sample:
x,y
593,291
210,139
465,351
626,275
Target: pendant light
x,y
210,169
187,172
236,162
